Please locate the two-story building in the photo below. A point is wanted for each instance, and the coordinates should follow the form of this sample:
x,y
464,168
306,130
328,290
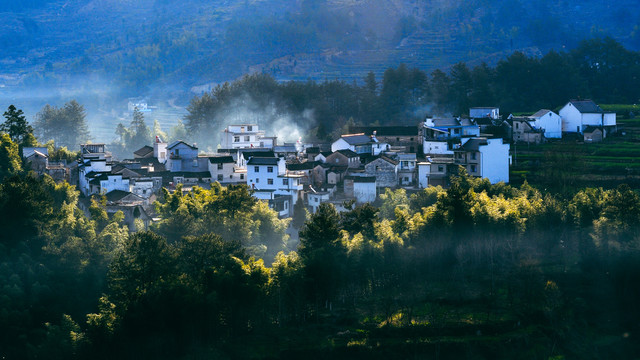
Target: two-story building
x,y
184,158
358,143
268,178
577,115
245,136
345,157
438,134
485,158
223,169
385,170
399,138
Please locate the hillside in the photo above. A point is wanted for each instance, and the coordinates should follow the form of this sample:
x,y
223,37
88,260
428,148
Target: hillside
x,y
104,51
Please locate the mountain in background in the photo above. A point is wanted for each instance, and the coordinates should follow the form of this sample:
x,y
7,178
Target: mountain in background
x,y
102,51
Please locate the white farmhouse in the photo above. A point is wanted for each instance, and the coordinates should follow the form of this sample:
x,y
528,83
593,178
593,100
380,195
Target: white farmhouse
x,y
358,143
485,158
548,121
268,178
578,114
245,136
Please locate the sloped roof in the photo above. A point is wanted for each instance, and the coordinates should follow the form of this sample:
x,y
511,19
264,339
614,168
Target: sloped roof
x,y
144,151
348,153
356,139
307,165
540,113
249,154
255,160
361,179
117,195
178,142
591,129
446,122
586,106
386,130
28,151
221,159
382,157
474,144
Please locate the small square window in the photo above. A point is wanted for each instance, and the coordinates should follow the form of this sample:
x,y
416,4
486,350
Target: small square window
x,y
219,177
270,181
219,166
236,139
247,138
270,169
256,168
285,181
241,176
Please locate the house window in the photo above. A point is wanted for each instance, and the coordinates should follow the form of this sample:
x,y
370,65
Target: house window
x,y
473,168
517,126
285,181
247,138
219,166
316,200
257,180
231,177
241,176
270,169
195,162
250,128
219,177
270,181
236,139
241,128
256,168
473,156
440,168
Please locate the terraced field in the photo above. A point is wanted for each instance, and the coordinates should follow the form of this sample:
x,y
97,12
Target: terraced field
x,y
569,163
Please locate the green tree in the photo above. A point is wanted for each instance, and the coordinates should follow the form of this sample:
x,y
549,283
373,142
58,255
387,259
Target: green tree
x,y
10,161
16,125
66,126
322,252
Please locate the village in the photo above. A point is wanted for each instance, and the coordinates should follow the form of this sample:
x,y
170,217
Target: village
x,y
355,168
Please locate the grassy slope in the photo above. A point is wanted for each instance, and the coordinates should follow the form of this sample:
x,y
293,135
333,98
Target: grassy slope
x,y
616,160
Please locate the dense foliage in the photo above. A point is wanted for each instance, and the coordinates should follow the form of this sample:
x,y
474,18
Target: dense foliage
x,y
531,275
600,69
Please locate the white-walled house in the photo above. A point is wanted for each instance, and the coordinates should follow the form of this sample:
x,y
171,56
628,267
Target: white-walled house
x,y
437,133
485,158
548,121
424,172
358,143
89,170
184,158
316,198
223,170
106,183
268,178
245,136
578,114
361,188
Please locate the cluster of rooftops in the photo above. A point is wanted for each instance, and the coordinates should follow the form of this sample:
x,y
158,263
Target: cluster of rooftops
x,y
357,166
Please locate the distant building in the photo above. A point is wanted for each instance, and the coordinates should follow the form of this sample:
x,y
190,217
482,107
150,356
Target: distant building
x,y
246,136
484,112
577,115
549,122
485,158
